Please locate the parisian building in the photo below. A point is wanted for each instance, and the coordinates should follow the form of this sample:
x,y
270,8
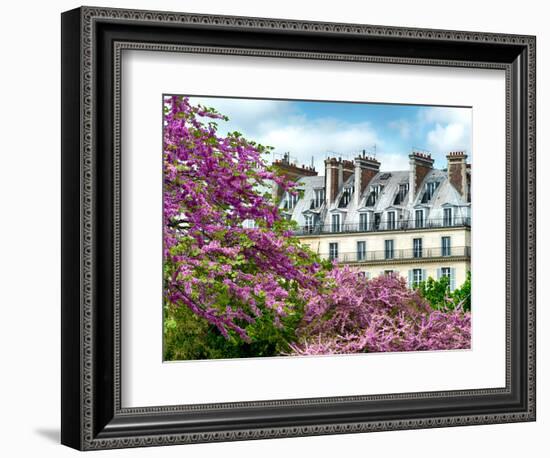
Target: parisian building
x,y
414,223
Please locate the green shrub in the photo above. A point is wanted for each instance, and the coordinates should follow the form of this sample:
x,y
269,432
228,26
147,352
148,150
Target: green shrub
x,y
440,297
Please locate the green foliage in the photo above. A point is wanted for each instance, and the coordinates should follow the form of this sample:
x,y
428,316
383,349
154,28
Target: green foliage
x,y
190,337
464,294
440,297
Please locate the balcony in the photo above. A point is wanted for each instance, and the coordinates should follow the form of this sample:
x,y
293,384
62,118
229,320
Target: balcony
x,y
400,225
400,255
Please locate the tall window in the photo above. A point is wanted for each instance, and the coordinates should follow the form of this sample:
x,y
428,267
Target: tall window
x,y
430,189
377,221
319,198
446,246
290,200
417,248
388,249
400,197
308,227
450,274
447,217
391,220
419,218
336,226
333,251
363,221
346,197
361,251
416,277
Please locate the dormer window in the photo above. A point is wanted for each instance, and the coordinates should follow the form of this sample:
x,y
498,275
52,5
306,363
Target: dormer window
x,y
429,192
319,198
346,197
373,196
289,200
401,194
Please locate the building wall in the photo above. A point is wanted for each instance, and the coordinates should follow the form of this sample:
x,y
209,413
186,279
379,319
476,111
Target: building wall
x,y
430,269
347,242
403,261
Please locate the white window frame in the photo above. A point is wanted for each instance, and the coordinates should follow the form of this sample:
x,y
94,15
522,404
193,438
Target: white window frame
x,y
452,276
416,220
363,221
389,242
333,251
417,247
319,197
447,222
389,220
336,227
445,249
416,281
361,252
308,223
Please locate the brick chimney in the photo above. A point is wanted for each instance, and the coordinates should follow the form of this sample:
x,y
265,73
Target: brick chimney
x,y
365,169
347,168
332,178
456,172
420,165
291,171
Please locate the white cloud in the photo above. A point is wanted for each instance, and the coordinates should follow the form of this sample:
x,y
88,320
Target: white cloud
x,y
445,115
393,161
244,114
449,137
277,124
403,126
305,138
450,129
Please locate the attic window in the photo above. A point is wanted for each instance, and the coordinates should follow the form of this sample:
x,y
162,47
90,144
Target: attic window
x,y
385,176
373,196
319,197
401,194
429,192
289,200
346,197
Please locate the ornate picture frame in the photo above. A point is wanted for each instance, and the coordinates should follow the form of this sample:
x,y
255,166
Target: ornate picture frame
x,y
93,416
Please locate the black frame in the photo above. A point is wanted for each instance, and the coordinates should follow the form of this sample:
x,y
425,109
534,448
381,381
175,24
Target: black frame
x,y
92,42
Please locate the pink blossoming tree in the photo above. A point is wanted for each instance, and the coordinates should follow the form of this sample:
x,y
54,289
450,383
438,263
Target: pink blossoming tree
x,y
224,271
354,315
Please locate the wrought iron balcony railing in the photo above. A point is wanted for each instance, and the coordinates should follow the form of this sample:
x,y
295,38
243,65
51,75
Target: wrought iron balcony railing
x,y
398,225
393,255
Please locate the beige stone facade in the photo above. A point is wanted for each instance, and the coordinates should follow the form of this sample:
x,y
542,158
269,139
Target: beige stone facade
x,y
431,255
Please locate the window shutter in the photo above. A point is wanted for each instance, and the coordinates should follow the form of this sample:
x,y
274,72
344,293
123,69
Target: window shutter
x,y
439,273
423,274
410,282
453,279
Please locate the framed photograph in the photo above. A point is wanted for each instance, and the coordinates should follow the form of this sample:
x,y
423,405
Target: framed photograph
x,y
276,228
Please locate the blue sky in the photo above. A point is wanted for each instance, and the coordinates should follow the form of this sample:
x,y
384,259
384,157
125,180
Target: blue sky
x,y
320,129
